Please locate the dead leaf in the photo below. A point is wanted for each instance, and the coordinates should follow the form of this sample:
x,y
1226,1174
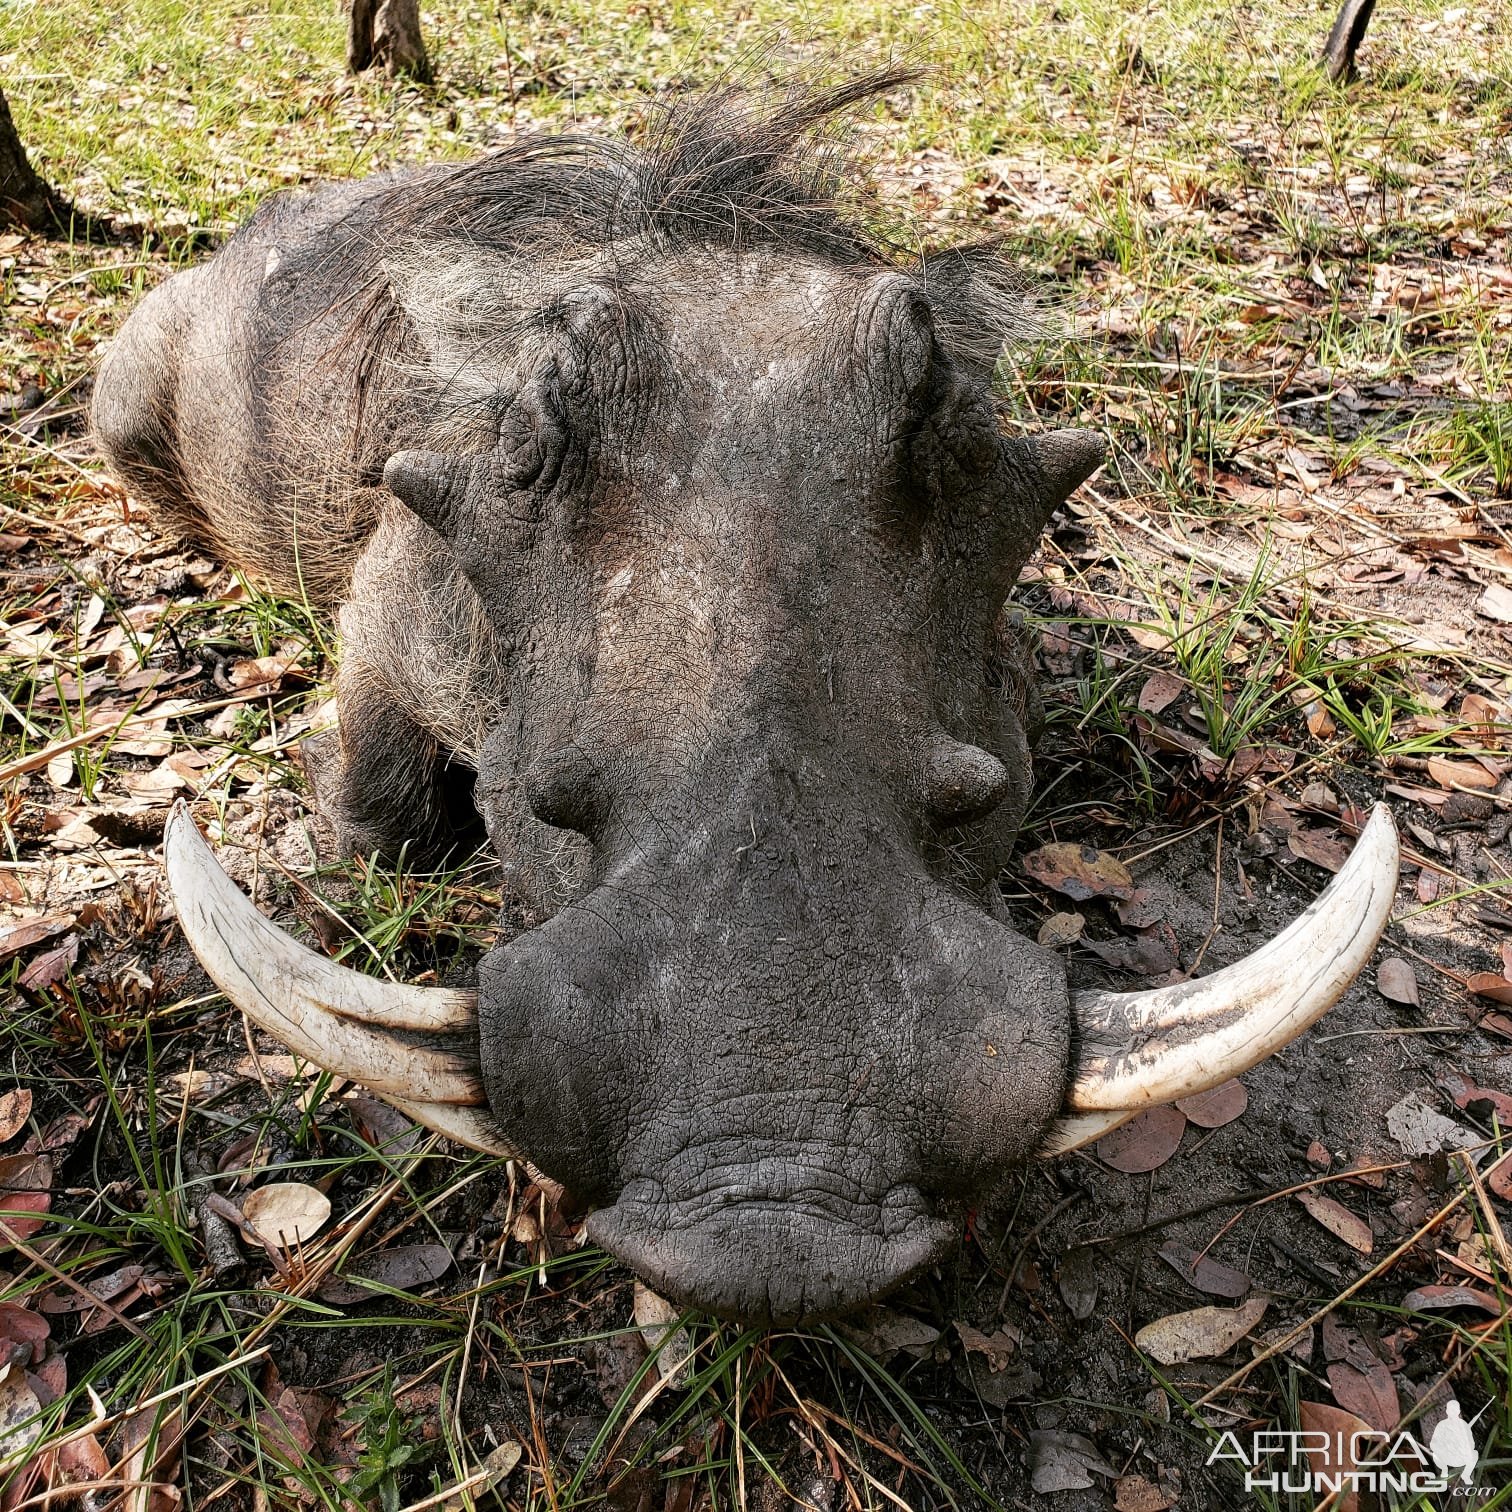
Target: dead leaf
x,y
996,1348
21,933
149,1458
286,1213
656,1317
1446,1298
883,1333
1330,851
1161,689
52,965
1081,872
1397,982
1339,1221
1490,984
1331,1435
402,1268
261,673
1222,1105
498,1464
1496,603
1060,930
1133,1493
20,1426
1455,775
1201,1334
20,1325
1421,1130
15,1109
94,1291
1060,1461
1146,1142
1467,1095
1205,1274
1077,1281
1368,1392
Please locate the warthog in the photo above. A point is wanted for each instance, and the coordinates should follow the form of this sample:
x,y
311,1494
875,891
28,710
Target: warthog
x,y
671,520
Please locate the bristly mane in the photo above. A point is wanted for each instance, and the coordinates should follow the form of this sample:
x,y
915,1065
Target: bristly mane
x,y
727,168
460,258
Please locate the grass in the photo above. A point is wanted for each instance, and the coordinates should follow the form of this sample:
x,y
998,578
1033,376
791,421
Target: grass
x,y
1284,305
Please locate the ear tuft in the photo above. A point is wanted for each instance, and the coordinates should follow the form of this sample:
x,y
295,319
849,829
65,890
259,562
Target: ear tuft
x,y
430,484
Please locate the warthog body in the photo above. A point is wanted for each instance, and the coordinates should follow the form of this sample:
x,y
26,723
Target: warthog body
x,y
671,520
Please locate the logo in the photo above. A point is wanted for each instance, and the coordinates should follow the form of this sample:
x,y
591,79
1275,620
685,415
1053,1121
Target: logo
x,y
1325,1463
1452,1444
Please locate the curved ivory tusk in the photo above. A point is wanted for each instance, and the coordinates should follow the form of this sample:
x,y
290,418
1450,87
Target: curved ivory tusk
x,y
1137,1049
418,1044
473,1127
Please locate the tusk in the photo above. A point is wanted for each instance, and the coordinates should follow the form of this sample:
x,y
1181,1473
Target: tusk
x,y
418,1044
1137,1049
473,1127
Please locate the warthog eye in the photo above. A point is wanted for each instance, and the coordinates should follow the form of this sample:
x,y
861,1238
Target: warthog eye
x,y
532,437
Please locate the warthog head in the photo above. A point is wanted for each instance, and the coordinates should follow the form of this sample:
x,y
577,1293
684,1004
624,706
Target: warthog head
x,y
729,482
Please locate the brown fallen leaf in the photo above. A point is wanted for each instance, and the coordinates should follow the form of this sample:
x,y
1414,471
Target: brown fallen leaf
x,y
1339,1221
1160,690
20,1325
1077,1283
883,1333
1081,872
260,672
1456,775
149,1449
1133,1493
1446,1298
1147,1141
1062,1461
21,1215
1490,984
996,1348
497,1466
402,1268
1060,930
1368,1392
1323,849
52,965
1201,1334
20,934
286,1213
1331,1436
657,1319
1212,1109
1207,1275
1397,982
1477,1100
15,1109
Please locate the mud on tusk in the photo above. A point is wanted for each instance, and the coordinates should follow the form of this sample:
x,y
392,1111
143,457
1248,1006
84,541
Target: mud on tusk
x,y
1136,1049
415,1044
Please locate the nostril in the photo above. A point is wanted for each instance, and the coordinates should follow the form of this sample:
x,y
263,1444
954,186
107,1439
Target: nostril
x,y
962,781
563,789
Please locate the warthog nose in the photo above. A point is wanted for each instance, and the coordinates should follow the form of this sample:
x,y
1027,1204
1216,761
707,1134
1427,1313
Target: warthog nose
x,y
962,781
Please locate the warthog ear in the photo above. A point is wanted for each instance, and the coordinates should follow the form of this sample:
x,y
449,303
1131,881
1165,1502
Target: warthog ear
x,y
432,484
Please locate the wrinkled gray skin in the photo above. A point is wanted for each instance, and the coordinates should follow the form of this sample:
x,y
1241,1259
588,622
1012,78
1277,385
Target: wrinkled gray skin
x,y
681,513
